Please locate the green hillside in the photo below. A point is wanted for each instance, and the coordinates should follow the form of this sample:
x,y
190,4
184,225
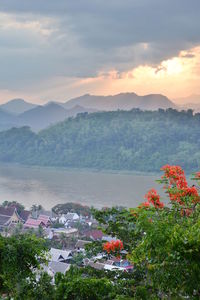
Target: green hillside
x,y
118,140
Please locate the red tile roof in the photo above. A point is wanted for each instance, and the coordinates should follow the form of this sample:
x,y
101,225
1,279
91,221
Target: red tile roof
x,y
45,219
33,223
94,234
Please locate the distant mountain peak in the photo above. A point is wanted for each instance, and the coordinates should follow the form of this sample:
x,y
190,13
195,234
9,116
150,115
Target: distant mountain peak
x,y
16,100
17,106
123,101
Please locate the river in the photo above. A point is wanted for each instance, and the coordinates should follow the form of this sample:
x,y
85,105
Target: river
x,y
51,186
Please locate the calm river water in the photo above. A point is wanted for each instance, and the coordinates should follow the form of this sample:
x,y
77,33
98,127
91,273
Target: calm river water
x,y
50,186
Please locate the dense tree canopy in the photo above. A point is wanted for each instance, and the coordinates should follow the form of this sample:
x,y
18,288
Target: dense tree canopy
x,y
120,140
83,210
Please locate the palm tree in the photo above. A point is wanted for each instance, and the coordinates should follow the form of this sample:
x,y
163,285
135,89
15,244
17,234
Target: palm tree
x,y
39,209
5,203
36,209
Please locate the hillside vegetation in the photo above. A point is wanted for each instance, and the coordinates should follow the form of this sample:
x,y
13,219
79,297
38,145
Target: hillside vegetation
x,y
118,140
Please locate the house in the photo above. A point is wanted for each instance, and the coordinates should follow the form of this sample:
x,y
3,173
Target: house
x,y
112,268
95,235
8,216
34,223
69,232
72,216
42,220
96,265
62,219
121,264
24,215
58,267
45,219
4,221
52,268
58,255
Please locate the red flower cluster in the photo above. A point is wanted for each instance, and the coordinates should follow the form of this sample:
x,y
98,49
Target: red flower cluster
x,y
177,186
153,198
175,176
144,204
113,246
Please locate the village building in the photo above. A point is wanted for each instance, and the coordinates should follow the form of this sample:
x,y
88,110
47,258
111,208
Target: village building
x,y
8,216
95,235
42,220
58,267
58,255
34,223
62,219
24,215
56,232
72,217
45,219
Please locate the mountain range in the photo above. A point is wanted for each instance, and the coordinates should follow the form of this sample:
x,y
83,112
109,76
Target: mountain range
x,y
17,106
39,117
123,101
18,112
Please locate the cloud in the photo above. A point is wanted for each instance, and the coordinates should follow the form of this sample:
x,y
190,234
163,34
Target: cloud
x,y
45,39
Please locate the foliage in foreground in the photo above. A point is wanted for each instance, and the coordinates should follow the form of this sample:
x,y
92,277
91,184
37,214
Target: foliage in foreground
x,y
20,257
163,243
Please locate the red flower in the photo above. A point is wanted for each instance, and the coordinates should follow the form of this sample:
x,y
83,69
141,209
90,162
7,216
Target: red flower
x,y
113,246
154,198
144,204
177,186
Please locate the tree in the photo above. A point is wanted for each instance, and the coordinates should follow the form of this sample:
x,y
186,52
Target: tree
x,y
73,286
19,206
163,241
18,229
40,232
20,256
120,140
34,289
36,209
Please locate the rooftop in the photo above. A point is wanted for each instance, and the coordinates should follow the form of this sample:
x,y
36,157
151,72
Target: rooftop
x,y
58,255
59,267
9,211
94,234
4,220
33,223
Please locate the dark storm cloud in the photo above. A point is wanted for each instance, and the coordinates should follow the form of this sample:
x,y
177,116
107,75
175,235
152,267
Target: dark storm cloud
x,y
94,35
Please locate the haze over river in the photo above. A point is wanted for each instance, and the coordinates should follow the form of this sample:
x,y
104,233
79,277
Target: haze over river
x,y
50,186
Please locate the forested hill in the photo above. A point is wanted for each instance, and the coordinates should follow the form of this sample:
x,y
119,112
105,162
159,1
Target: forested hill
x,y
119,140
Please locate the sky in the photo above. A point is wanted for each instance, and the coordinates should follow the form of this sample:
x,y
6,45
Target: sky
x,y
57,50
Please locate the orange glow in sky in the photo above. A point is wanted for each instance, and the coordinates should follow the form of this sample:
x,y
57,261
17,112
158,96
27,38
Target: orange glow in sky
x,y
176,78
